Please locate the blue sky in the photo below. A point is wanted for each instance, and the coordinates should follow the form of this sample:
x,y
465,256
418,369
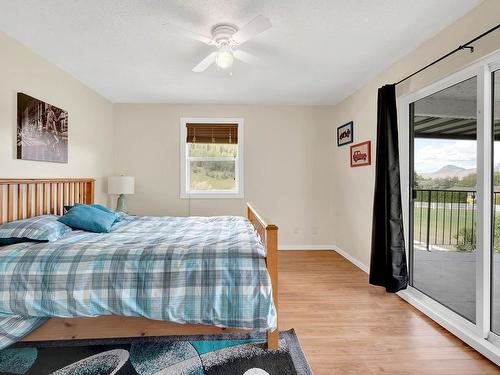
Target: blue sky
x,y
433,154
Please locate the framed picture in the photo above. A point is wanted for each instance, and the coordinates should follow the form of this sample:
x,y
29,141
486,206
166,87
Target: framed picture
x,y
361,154
42,130
345,134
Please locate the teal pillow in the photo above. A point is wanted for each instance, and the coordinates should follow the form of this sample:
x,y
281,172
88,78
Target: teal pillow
x,y
102,208
98,206
88,218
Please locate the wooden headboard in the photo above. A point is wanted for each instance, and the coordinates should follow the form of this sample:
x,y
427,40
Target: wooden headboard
x,y
21,198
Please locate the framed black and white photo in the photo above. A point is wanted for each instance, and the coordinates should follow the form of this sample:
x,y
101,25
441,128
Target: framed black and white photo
x,y
345,134
42,130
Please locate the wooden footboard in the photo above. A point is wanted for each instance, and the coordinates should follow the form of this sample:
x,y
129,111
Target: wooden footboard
x,y
269,235
39,193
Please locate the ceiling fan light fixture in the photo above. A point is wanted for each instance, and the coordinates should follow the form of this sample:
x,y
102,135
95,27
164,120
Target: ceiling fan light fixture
x,y
226,39
225,58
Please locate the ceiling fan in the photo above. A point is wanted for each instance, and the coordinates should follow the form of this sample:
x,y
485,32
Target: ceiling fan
x,y
226,38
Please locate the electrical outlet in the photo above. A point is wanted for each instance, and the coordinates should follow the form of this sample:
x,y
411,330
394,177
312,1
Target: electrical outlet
x,y
295,230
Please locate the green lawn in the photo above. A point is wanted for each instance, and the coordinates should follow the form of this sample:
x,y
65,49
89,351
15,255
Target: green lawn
x,y
201,180
444,224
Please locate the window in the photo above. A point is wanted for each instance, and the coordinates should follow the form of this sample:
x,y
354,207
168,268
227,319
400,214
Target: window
x,y
211,157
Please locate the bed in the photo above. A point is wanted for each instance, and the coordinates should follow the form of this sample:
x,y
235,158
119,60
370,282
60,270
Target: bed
x,y
194,275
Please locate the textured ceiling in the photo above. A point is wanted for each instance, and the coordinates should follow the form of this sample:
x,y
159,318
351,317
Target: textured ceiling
x,y
318,51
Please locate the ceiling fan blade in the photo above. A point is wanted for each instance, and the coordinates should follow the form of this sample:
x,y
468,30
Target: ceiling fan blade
x,y
205,63
245,57
175,29
256,26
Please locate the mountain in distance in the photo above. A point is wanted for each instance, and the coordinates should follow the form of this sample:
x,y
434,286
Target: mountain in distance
x,y
454,171
450,171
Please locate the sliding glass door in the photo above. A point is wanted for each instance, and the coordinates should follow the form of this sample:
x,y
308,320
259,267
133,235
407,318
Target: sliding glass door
x,y
450,142
444,144
495,259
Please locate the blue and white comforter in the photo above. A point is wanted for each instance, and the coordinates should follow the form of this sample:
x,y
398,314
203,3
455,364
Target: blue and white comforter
x,y
201,270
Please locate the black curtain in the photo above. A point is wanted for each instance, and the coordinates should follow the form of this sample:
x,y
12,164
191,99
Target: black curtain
x,y
388,258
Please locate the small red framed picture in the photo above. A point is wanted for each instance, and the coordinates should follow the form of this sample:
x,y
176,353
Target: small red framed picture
x,y
361,154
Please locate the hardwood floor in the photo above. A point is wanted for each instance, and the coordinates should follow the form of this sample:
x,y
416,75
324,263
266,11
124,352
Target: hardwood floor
x,y
347,326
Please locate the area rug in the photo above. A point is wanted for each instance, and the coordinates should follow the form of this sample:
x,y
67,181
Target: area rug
x,y
225,354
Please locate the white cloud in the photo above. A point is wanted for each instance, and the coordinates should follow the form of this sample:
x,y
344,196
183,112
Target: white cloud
x,y
433,154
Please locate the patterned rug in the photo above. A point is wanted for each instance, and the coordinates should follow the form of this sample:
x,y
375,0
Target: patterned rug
x,y
226,354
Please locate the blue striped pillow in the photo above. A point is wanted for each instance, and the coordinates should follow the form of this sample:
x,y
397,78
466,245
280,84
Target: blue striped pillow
x,y
38,228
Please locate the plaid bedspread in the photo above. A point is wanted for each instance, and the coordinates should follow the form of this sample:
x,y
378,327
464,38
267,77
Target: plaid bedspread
x,y
201,270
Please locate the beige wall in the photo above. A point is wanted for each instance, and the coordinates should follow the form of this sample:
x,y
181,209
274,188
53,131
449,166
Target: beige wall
x,y
90,117
353,192
294,172
285,165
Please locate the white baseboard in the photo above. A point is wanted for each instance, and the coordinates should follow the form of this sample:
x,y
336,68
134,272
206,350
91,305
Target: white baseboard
x,y
335,248
351,259
305,247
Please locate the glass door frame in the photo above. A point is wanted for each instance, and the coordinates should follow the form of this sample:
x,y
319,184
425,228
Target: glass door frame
x,y
477,335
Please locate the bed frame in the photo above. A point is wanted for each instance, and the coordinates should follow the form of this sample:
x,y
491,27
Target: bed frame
x,y
24,198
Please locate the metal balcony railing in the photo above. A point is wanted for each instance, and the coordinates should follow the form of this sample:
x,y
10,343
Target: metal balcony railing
x,y
445,218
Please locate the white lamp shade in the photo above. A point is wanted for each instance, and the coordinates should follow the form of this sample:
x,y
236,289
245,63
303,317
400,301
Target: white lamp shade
x,y
121,185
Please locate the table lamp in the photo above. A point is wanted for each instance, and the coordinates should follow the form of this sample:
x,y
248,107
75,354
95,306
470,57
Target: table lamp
x,y
121,185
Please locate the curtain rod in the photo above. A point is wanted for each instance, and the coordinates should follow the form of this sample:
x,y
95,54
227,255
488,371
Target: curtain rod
x,y
459,48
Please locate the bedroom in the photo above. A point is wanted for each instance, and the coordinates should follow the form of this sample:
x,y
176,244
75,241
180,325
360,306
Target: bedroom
x,y
93,93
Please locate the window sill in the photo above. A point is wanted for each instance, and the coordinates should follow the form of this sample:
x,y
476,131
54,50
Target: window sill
x,y
212,195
